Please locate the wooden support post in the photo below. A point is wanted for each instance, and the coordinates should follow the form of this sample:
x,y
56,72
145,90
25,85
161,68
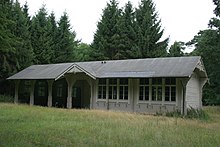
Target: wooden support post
x,y
50,88
70,82
16,90
32,92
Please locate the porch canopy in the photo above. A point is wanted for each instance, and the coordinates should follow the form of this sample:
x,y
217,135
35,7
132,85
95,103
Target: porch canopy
x,y
133,68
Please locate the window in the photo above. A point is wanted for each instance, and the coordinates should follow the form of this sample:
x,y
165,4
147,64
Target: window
x,y
41,88
112,88
144,90
59,90
102,89
157,89
170,89
123,92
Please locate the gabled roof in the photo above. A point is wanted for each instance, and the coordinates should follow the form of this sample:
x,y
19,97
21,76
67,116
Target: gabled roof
x,y
132,68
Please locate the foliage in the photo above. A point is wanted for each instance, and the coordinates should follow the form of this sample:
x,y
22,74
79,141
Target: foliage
x,y
83,52
176,50
6,98
207,43
107,35
66,41
41,126
148,30
125,33
197,114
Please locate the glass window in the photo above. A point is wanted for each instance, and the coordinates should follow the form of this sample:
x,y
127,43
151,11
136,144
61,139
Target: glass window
x,y
41,89
157,89
102,89
144,89
123,89
112,88
59,90
170,89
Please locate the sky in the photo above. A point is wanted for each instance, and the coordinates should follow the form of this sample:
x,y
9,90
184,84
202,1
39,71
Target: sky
x,y
180,19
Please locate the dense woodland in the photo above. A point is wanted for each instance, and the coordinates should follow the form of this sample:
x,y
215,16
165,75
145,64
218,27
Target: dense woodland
x,y
122,33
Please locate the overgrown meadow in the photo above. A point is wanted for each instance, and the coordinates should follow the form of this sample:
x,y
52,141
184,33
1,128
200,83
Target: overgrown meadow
x,y
24,125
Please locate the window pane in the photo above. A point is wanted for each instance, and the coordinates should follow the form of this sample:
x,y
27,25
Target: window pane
x,y
102,81
112,81
104,92
154,92
159,93
167,93
110,92
144,81
157,81
124,81
170,81
115,92
147,93
141,93
121,92
126,92
173,93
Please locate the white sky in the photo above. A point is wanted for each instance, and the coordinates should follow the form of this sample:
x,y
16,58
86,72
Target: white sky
x,y
181,19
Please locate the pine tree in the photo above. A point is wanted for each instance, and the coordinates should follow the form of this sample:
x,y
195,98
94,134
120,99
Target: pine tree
x,y
176,50
149,33
67,43
127,46
24,50
8,41
41,38
106,38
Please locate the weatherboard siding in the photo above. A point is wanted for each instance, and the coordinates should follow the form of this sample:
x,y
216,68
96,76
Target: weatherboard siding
x,y
193,92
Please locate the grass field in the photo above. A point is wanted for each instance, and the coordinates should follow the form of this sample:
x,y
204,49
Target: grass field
x,y
23,125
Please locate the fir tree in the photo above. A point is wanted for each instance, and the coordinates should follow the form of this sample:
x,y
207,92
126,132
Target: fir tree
x,y
41,38
67,44
107,36
149,33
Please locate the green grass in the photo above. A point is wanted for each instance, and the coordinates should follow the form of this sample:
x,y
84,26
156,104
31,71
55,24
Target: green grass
x,y
23,125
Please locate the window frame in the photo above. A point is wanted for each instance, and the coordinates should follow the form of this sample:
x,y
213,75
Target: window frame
x,y
102,86
170,85
144,85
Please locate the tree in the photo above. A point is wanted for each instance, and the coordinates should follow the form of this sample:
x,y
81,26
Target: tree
x,y
83,52
176,50
8,41
127,47
41,38
24,50
149,33
106,38
67,43
207,45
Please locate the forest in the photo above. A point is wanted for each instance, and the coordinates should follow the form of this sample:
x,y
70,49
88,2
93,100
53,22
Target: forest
x,y
122,33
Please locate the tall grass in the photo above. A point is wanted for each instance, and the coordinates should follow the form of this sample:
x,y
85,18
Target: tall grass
x,y
23,125
6,98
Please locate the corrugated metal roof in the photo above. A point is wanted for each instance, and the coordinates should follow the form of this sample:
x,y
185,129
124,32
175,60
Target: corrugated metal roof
x,y
132,68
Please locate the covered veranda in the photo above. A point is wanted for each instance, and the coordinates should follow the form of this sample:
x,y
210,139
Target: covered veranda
x,y
56,85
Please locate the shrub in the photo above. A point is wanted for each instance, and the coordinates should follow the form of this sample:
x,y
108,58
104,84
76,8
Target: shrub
x,y
197,114
6,98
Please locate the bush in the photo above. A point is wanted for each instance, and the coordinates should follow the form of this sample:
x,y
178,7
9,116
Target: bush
x,y
6,98
197,114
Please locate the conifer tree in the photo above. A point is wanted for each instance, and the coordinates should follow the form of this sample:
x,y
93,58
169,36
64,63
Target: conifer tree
x,y
149,32
67,44
106,38
24,50
8,40
41,38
